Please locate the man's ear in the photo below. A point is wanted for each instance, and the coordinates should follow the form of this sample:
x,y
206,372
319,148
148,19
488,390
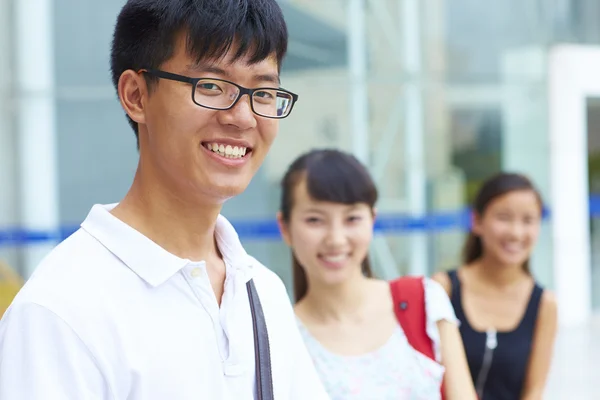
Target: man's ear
x,y
133,91
283,229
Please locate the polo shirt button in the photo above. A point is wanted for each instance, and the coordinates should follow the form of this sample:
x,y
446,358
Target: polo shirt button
x,y
196,272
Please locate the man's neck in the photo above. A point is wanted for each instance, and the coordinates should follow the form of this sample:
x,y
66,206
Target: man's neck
x,y
182,226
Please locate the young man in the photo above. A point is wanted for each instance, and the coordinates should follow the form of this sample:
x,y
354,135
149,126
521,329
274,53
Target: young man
x,y
148,299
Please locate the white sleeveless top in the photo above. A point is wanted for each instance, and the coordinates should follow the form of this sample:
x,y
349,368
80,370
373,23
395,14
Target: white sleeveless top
x,y
395,371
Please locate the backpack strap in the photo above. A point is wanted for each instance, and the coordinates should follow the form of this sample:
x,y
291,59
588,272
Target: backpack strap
x,y
408,295
409,305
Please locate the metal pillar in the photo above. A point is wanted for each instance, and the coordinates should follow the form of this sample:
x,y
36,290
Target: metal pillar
x,y
359,112
414,132
36,122
357,60
410,53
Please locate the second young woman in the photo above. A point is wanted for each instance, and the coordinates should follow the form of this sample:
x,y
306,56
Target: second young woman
x,y
346,316
508,321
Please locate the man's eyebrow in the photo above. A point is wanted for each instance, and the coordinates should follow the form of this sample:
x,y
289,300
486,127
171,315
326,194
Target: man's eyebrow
x,y
207,68
270,78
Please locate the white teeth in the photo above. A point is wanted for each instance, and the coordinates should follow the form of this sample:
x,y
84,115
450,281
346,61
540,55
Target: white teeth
x,y
227,151
335,259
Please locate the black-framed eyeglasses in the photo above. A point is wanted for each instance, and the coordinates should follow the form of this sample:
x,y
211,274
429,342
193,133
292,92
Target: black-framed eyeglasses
x,y
220,94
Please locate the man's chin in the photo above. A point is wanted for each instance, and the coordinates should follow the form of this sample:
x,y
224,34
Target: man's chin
x,y
222,193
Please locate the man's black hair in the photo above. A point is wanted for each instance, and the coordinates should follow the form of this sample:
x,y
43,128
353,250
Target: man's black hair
x,y
146,31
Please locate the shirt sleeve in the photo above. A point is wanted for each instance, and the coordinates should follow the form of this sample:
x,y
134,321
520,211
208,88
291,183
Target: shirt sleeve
x,y
438,307
306,383
42,358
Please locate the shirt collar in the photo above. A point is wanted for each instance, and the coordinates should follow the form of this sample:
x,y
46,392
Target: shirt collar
x,y
147,259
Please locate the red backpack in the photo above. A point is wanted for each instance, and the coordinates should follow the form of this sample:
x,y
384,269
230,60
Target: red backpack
x,y
408,295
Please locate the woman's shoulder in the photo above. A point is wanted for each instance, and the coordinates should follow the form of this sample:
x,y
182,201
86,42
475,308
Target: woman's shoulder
x,y
301,313
443,278
548,306
437,301
447,277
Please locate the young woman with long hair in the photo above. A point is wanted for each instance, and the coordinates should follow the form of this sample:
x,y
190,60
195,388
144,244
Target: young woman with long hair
x,y
345,315
508,321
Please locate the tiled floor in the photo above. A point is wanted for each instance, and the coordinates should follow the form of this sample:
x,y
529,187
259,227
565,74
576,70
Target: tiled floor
x,y
575,372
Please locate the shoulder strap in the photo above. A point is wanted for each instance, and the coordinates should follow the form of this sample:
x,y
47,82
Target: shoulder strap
x,y
453,276
531,312
455,293
409,305
262,352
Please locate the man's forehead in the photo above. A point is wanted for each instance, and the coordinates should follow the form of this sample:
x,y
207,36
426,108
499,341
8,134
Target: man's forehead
x,y
263,70
232,58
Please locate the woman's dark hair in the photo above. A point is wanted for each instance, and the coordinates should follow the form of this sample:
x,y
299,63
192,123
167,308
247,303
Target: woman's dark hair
x,y
496,186
332,176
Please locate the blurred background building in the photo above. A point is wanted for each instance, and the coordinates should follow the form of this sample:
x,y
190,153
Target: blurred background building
x,y
434,95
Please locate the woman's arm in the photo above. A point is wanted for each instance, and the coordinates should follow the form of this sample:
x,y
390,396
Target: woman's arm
x,y
542,348
457,379
458,384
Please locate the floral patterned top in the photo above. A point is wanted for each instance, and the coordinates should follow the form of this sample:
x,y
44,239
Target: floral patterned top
x,y
395,371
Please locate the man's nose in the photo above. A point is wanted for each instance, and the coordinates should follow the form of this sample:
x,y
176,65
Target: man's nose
x,y
240,115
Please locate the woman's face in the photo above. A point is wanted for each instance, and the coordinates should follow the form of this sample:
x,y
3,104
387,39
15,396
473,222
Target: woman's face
x,y
509,227
330,240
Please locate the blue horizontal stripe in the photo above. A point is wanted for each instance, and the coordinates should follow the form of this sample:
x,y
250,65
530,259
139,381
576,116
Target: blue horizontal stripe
x,y
266,229
385,224
594,205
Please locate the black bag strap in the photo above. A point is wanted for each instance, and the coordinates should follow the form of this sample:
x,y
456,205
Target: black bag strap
x,y
262,352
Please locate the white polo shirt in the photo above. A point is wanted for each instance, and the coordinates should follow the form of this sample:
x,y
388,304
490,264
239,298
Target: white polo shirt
x,y
109,314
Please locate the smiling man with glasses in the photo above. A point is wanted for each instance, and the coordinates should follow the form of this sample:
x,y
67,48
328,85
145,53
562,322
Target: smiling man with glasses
x,y
155,298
